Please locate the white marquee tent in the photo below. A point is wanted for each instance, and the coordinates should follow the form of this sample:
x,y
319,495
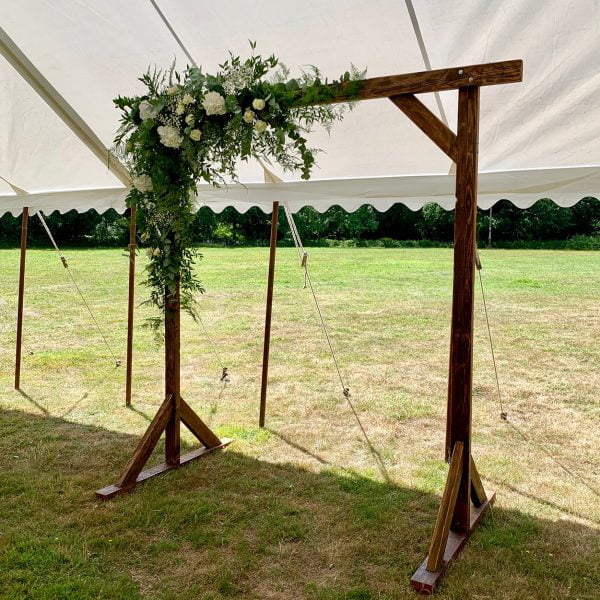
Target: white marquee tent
x,y
540,138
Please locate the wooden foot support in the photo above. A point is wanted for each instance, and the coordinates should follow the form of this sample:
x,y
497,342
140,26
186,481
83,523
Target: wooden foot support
x,y
168,412
447,543
424,581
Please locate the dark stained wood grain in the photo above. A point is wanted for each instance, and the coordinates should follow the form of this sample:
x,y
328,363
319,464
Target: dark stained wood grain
x,y
461,336
442,524
424,581
172,375
268,313
435,129
111,491
510,71
19,341
130,306
146,444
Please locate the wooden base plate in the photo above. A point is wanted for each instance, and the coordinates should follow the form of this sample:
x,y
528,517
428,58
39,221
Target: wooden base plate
x,y
114,490
424,581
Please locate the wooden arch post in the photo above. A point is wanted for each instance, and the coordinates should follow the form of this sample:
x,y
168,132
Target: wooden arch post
x,y
172,412
464,500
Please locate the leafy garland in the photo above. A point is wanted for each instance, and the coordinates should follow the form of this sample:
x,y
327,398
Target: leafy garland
x,y
197,126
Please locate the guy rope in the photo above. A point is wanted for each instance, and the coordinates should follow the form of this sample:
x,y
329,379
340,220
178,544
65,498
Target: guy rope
x,y
65,264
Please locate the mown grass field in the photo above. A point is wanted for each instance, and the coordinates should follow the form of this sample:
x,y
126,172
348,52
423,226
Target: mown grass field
x,y
302,509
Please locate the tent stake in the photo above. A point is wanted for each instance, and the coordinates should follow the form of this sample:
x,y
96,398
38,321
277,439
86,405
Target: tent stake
x,y
269,310
130,307
19,345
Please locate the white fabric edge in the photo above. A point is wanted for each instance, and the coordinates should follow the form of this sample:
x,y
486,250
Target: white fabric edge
x,y
565,186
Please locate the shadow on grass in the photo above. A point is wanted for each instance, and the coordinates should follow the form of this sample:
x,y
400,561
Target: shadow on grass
x,y
234,526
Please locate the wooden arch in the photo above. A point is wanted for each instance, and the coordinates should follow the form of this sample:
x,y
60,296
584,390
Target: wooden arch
x,y
456,518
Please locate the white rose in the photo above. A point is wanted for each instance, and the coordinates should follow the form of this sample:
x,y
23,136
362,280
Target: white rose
x,y
169,136
180,108
147,111
190,120
260,126
142,183
258,104
195,134
214,104
156,252
149,252
188,99
174,89
248,116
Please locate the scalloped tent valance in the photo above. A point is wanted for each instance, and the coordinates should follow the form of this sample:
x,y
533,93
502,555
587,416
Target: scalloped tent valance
x,y
539,139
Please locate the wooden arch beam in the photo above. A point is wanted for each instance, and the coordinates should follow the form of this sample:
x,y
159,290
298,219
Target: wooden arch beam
x,y
509,71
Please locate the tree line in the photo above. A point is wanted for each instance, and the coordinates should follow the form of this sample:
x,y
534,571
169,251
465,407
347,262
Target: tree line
x,y
543,225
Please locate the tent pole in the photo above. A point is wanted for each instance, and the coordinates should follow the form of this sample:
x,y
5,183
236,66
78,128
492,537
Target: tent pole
x,y
19,345
130,306
269,310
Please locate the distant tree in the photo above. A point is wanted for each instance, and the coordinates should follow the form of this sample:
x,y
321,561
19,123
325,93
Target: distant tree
x,y
437,223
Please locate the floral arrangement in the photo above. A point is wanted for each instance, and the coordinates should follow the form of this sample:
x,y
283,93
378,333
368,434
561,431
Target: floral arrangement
x,y
195,126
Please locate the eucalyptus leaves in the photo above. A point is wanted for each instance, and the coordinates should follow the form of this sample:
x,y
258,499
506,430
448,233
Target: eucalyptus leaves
x,y
195,126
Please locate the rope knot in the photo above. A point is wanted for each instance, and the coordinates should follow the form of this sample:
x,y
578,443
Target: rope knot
x,y
347,392
504,416
225,375
63,260
117,363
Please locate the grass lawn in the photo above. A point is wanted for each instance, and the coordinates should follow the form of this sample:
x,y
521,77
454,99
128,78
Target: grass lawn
x,y
302,509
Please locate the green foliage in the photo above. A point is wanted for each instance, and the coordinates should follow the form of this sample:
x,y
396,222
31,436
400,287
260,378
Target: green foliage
x,y
197,126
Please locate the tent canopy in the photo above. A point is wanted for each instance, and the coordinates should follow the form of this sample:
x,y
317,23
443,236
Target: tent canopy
x,y
540,138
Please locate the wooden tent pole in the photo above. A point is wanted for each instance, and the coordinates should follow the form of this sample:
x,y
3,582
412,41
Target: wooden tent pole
x,y
269,310
130,306
19,341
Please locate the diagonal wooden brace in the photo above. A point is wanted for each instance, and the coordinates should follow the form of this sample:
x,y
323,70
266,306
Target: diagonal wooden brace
x,y
197,426
478,495
442,524
437,131
146,445
169,409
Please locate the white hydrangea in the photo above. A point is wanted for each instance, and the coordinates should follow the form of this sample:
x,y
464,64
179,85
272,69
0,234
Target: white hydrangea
x,y
142,183
260,126
214,104
248,116
147,111
180,109
195,134
258,104
174,89
169,136
188,99
190,120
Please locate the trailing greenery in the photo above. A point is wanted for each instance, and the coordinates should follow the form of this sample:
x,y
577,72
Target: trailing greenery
x,y
196,126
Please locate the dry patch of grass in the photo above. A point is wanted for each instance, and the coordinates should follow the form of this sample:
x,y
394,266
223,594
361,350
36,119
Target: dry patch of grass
x,y
305,508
